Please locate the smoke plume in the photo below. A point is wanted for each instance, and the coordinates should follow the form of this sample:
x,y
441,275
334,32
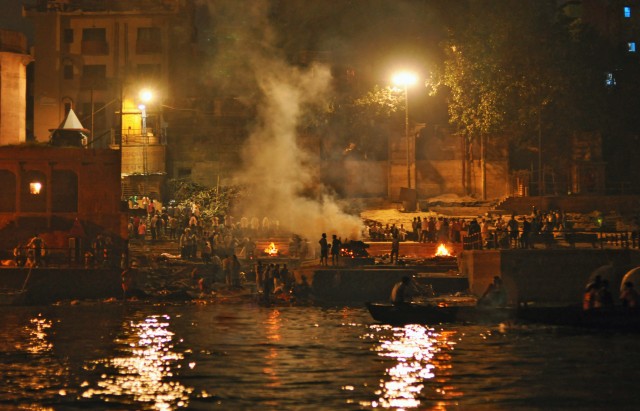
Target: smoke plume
x,y
282,177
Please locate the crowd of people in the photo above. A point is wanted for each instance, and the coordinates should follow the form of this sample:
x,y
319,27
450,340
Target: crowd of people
x,y
482,232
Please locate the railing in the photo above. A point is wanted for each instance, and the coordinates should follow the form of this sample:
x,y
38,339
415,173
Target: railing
x,y
596,239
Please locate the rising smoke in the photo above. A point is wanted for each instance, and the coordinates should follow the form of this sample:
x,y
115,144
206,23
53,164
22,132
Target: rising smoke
x,y
279,173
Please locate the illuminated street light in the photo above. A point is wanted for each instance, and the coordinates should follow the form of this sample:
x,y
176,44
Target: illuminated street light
x,y
406,79
146,95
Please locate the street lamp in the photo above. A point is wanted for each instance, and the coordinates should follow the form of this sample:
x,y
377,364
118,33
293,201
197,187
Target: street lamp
x,y
145,96
406,79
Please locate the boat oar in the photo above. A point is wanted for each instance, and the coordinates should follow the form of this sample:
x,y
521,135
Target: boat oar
x,y
24,286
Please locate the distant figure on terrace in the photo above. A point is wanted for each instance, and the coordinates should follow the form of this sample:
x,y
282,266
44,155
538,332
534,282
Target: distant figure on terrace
x,y
336,246
324,250
395,249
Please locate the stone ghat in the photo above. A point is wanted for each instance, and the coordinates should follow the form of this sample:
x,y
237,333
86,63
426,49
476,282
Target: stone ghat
x,y
48,285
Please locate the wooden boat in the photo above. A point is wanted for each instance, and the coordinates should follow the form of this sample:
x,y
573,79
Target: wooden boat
x,y
12,297
15,296
614,319
439,310
412,313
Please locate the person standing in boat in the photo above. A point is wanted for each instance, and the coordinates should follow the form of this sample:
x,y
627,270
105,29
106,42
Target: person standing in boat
x,y
336,246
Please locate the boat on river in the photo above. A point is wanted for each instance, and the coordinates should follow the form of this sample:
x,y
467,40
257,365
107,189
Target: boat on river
x,y
613,319
431,313
12,297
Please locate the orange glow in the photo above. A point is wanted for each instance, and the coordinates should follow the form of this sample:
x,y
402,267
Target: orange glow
x,y
404,78
35,187
271,250
442,251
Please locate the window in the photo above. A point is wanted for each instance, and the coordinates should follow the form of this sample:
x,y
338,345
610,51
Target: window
x,y
68,36
33,196
68,71
94,34
610,80
94,41
627,12
149,40
632,46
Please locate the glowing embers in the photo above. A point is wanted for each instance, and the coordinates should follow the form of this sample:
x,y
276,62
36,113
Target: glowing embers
x,y
143,374
35,187
272,250
443,251
419,353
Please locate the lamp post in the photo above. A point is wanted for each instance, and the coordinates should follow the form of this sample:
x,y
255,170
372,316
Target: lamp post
x,y
145,96
406,79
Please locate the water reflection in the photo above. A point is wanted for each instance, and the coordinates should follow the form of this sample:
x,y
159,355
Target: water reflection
x,y
143,374
38,335
419,354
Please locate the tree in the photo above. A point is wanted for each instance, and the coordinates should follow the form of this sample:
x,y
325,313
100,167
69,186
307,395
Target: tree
x,y
511,69
216,201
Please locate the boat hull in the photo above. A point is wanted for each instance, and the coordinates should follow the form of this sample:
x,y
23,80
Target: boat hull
x,y
438,312
615,319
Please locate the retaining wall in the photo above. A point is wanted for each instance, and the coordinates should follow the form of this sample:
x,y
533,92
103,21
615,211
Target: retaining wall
x,y
545,276
48,285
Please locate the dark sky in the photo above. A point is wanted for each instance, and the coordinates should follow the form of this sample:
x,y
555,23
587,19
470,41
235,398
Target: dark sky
x,y
11,17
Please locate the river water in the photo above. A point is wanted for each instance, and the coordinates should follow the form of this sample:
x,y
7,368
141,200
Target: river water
x,y
135,356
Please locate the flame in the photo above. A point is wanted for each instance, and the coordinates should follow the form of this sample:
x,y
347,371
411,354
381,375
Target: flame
x,y
271,250
442,251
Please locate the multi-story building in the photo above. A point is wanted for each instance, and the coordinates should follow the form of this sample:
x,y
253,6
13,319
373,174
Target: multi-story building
x,y
96,56
14,59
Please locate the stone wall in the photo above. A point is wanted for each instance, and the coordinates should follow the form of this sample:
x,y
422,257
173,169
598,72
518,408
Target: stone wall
x,y
48,285
356,285
544,276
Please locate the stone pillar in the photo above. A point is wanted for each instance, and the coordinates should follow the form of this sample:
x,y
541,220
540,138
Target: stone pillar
x,y
13,87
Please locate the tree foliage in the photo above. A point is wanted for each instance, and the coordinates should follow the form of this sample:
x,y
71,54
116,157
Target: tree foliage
x,y
211,201
515,66
360,122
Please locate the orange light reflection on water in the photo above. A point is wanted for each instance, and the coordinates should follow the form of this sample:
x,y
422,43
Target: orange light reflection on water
x,y
144,372
38,330
273,325
420,354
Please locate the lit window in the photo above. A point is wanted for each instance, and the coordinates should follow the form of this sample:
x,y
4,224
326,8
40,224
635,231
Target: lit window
x,y
632,46
610,80
35,187
627,12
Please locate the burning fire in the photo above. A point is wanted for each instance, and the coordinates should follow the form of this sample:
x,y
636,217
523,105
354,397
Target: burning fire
x,y
442,251
271,250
